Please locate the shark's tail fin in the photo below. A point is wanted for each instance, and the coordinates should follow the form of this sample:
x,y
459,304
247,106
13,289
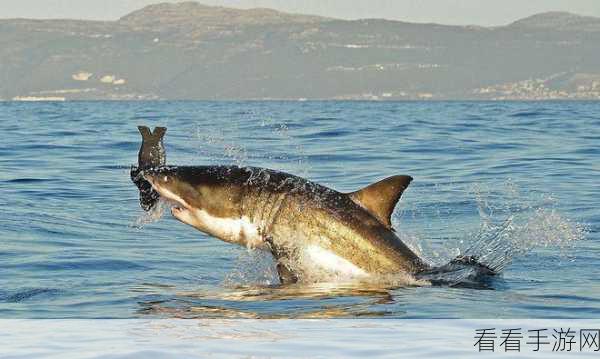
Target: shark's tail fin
x,y
474,262
462,271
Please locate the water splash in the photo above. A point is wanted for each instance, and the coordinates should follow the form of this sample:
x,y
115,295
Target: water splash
x,y
519,235
511,224
527,224
253,267
151,216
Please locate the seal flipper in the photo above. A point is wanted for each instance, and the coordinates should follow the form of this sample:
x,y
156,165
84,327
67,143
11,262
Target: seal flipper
x,y
151,154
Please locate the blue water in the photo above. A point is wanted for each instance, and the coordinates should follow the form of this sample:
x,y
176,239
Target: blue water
x,y
74,242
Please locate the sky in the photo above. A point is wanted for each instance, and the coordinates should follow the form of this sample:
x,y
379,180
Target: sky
x,y
455,12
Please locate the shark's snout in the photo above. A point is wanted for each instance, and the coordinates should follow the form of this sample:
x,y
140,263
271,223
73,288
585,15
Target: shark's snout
x,y
160,176
170,183
165,182
155,179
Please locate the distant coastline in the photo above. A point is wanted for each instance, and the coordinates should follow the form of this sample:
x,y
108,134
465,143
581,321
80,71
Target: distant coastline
x,y
189,51
62,99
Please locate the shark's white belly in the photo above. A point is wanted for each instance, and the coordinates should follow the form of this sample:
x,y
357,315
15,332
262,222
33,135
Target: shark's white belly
x,y
322,264
236,230
315,262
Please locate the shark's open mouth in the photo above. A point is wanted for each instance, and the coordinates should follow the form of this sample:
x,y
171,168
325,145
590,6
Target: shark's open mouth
x,y
179,208
176,205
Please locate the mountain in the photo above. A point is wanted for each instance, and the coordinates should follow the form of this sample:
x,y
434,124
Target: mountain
x,y
195,15
193,51
563,21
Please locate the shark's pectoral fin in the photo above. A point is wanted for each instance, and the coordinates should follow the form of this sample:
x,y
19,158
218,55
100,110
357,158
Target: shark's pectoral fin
x,y
381,197
286,275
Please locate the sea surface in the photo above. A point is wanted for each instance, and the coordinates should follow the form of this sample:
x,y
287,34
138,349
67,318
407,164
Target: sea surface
x,y
522,176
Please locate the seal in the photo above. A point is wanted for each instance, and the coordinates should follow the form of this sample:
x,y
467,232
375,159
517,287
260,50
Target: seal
x,y
152,154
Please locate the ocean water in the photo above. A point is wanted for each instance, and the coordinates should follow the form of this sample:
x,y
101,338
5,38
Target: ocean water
x,y
516,182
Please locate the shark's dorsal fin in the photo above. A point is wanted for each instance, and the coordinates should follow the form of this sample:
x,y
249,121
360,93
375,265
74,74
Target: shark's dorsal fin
x,y
381,197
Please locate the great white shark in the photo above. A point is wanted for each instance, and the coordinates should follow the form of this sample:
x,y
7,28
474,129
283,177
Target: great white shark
x,y
314,232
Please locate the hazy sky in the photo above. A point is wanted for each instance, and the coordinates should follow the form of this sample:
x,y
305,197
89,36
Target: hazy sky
x,y
476,12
